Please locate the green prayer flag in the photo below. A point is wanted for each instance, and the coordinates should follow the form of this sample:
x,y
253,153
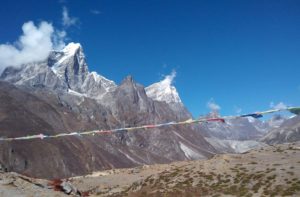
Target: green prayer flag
x,y
295,110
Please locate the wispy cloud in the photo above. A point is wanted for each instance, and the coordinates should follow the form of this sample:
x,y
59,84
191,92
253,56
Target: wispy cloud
x,y
67,20
237,110
169,79
33,45
96,12
213,106
279,105
58,39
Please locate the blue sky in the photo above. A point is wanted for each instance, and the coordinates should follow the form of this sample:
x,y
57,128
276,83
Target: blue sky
x,y
243,55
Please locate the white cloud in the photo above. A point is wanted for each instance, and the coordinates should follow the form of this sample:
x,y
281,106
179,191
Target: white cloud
x,y
213,106
34,45
58,39
237,109
279,105
169,79
68,21
96,12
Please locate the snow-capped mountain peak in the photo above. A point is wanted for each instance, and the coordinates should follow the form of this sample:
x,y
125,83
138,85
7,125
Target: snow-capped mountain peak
x,y
72,67
164,90
72,48
64,69
73,55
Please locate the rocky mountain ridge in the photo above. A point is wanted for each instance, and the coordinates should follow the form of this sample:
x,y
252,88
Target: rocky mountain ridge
x,y
64,70
61,95
238,135
288,131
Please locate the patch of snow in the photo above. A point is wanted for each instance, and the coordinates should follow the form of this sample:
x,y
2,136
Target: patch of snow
x,y
188,152
57,65
95,76
71,48
292,116
199,155
68,53
130,158
92,117
76,93
251,119
236,146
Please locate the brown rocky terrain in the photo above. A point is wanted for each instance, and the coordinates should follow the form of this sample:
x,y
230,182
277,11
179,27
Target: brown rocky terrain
x,y
266,171
26,111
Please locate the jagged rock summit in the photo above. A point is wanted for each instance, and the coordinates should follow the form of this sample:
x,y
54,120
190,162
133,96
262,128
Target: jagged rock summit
x,y
60,94
64,70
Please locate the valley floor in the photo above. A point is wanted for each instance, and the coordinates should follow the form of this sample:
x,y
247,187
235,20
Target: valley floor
x,y
266,171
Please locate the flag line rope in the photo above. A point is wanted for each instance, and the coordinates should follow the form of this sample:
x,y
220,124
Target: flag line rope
x,y
295,110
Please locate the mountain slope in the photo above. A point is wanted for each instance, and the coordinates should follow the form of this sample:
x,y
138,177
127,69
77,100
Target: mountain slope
x,y
288,131
238,135
40,110
61,95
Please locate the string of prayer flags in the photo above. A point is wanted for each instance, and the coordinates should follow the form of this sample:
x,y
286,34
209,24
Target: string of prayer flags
x,y
217,120
254,115
295,110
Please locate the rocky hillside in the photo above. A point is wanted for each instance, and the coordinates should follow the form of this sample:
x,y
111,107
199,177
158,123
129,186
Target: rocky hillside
x,y
61,95
268,171
23,113
289,131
